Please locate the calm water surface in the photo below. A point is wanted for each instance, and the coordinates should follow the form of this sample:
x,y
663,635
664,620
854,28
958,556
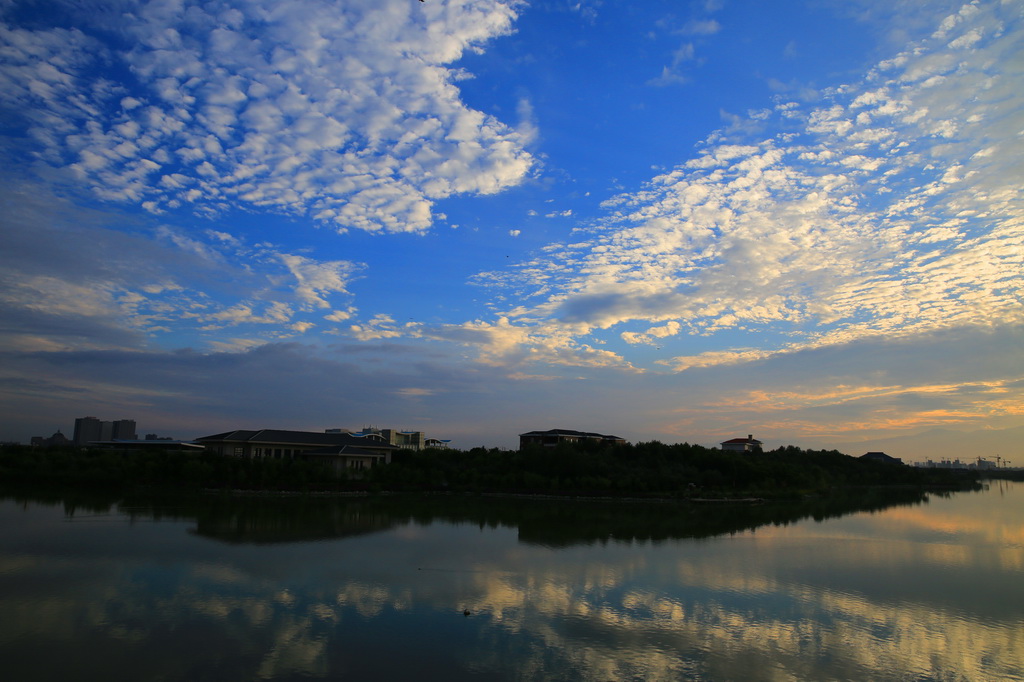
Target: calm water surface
x,y
376,589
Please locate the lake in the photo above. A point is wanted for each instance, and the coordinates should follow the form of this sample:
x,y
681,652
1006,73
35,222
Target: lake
x,y
901,586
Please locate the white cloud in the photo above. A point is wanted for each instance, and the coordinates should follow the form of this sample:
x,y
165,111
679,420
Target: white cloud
x,y
669,329
339,315
502,343
673,72
317,279
702,27
276,313
893,210
528,130
380,326
236,345
413,392
186,243
717,358
348,116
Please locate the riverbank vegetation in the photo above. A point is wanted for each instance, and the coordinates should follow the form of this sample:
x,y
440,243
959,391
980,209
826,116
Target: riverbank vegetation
x,y
650,469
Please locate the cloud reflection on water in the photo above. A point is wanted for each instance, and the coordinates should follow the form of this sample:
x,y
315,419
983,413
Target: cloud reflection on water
x,y
861,597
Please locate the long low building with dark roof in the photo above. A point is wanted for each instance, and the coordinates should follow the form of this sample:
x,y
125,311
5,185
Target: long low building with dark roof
x,y
343,450
554,437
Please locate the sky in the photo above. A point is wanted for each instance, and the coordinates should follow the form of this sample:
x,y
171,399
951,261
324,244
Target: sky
x,y
682,221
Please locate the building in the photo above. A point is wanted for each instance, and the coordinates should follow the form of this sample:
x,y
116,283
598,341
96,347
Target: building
x,y
943,464
348,457
748,444
56,440
87,429
91,429
341,450
406,440
123,429
881,457
555,437
166,444
981,464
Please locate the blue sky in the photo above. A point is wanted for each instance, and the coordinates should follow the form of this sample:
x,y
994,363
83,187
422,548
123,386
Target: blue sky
x,y
682,221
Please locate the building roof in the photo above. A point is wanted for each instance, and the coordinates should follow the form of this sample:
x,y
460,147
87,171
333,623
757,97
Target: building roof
x,y
569,432
741,440
146,444
285,436
345,450
881,457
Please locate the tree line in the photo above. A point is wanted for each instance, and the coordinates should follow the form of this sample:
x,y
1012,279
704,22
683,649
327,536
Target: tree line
x,y
647,469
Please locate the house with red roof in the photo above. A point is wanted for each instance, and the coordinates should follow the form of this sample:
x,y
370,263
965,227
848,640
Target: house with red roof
x,y
748,444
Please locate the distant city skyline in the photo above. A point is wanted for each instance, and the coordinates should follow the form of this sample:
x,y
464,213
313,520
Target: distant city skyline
x,y
675,221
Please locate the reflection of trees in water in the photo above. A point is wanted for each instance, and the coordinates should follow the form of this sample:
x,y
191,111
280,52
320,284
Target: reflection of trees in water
x,y
553,523
74,502
569,525
272,520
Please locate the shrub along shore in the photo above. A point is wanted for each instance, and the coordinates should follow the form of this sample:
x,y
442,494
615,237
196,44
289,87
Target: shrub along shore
x,y
643,470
